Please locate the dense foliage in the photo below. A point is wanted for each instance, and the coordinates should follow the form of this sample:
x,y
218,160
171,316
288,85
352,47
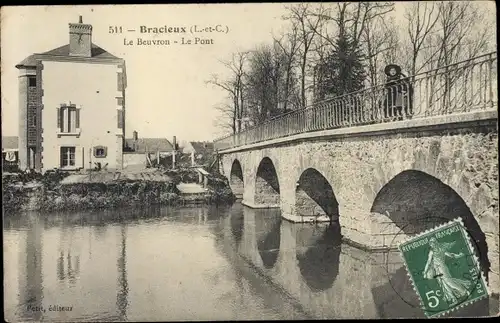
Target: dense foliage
x,y
343,71
46,193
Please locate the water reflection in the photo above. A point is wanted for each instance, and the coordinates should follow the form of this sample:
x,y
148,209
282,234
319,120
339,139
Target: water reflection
x,y
121,296
30,275
205,263
319,275
237,222
267,229
60,267
319,264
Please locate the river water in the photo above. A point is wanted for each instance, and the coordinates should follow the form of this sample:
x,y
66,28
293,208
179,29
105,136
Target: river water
x,y
200,263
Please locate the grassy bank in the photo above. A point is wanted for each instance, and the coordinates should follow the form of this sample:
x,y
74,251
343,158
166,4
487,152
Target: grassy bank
x,y
33,191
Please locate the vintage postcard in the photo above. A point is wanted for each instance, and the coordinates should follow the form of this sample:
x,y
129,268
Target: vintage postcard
x,y
247,161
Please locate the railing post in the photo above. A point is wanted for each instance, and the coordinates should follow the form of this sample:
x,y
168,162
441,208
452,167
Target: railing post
x,y
491,60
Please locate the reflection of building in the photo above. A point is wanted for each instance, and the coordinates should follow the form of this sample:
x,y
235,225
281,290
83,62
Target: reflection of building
x,y
51,265
72,106
30,273
121,267
68,267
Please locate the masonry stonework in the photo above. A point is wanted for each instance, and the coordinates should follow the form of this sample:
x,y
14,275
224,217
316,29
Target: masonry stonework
x,y
23,121
32,115
357,168
39,120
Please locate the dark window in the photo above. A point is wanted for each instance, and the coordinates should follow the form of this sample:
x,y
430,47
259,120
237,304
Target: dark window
x,y
100,152
33,120
32,81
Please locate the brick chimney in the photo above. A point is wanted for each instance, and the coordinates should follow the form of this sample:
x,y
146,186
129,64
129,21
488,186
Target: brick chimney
x,y
135,135
80,39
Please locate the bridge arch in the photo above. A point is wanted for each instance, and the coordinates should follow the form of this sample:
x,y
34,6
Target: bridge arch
x,y
236,181
267,187
314,196
416,201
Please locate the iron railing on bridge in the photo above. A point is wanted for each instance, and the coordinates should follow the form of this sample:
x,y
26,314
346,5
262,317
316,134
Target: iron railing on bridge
x,y
461,87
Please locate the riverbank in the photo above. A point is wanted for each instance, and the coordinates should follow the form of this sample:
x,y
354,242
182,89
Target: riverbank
x,y
55,191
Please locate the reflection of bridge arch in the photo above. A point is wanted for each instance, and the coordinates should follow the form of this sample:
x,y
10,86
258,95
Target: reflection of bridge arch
x,y
237,222
236,181
268,235
416,201
319,263
314,196
267,187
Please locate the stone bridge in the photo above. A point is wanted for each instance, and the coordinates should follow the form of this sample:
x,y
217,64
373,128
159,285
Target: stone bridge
x,y
381,182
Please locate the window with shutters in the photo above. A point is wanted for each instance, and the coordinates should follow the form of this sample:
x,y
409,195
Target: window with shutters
x,y
68,156
68,119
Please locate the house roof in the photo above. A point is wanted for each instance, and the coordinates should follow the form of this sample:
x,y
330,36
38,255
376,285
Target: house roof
x,y
149,144
63,51
9,142
201,147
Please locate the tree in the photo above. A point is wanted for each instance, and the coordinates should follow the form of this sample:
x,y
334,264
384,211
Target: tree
x,y
462,31
306,22
266,83
227,119
421,21
359,30
380,43
234,86
289,46
343,72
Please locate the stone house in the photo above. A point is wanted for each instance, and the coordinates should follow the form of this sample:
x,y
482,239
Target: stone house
x,y
72,106
136,149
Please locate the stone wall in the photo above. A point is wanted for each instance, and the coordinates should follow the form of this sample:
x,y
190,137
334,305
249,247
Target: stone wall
x,y
358,167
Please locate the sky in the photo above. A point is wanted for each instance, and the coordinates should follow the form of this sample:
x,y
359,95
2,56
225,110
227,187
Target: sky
x,y
167,94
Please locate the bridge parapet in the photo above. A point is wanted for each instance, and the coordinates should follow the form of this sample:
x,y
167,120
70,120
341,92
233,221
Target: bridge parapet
x,y
466,86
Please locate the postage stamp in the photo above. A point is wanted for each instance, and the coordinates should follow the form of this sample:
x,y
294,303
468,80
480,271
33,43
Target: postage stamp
x,y
444,269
